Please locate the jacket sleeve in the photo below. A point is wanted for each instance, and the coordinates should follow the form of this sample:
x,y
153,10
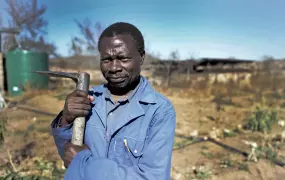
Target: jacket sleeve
x,y
155,164
61,135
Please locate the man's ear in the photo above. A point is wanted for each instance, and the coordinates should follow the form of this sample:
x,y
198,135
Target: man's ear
x,y
142,57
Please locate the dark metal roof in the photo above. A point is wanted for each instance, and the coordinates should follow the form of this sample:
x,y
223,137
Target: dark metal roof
x,y
161,62
215,61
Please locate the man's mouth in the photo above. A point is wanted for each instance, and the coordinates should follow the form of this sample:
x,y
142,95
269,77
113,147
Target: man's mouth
x,y
116,79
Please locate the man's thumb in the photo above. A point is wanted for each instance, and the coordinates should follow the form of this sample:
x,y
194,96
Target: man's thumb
x,y
91,98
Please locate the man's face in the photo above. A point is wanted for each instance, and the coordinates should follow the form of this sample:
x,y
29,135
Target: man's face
x,y
120,60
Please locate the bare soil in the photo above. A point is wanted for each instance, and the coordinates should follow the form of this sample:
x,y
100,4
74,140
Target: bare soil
x,y
195,112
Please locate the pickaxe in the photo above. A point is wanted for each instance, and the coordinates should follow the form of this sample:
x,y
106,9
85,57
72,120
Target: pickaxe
x,y
82,80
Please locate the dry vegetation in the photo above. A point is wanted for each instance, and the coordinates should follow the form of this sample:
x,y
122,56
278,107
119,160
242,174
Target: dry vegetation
x,y
233,114
226,130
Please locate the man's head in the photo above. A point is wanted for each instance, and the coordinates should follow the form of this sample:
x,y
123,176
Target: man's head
x,y
121,47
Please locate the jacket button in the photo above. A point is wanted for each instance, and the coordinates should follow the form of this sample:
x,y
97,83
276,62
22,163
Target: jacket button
x,y
135,151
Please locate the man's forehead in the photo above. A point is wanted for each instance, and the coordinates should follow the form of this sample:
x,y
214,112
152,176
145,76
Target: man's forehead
x,y
117,45
119,40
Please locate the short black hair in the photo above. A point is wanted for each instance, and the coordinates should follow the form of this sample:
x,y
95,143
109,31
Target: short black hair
x,y
123,28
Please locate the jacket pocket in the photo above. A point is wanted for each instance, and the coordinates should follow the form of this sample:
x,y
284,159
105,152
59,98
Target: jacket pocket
x,y
134,146
126,150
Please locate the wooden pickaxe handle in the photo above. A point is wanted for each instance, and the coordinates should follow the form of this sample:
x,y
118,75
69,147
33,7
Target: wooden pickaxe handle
x,y
78,128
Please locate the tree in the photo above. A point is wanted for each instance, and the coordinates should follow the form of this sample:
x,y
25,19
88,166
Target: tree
x,y
150,57
75,49
174,55
86,42
189,68
170,67
28,16
268,64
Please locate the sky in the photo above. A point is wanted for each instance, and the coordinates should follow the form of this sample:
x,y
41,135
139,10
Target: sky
x,y
244,29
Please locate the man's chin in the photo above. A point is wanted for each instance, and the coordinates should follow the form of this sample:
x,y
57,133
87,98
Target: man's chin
x,y
120,85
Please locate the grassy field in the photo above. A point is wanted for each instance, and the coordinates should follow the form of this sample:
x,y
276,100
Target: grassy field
x,y
213,121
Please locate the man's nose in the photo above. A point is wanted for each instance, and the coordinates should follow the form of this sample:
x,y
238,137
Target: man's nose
x,y
115,66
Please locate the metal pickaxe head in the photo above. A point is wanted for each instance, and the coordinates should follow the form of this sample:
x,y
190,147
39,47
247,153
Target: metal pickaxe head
x,y
81,78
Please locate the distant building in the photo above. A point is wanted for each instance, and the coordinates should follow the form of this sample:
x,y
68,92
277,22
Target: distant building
x,y
218,65
204,65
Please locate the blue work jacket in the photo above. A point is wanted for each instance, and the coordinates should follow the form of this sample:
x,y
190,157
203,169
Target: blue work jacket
x,y
137,147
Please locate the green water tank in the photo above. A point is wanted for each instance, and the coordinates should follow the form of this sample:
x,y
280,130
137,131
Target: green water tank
x,y
20,68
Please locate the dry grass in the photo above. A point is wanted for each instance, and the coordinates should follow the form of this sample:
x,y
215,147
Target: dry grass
x,y
201,107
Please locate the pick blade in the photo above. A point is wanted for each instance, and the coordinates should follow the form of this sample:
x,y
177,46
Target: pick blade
x,y
59,74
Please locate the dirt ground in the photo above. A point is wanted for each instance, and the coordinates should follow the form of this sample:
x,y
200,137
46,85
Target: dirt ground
x,y
29,147
191,116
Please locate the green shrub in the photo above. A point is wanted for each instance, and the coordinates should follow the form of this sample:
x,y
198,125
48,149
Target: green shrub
x,y
261,120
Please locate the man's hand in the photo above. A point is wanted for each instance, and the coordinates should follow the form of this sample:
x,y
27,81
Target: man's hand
x,y
70,151
77,104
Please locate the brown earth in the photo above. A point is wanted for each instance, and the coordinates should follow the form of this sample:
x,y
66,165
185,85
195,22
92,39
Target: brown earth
x,y
195,111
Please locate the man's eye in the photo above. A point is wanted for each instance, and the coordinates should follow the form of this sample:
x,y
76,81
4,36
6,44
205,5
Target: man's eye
x,y
105,60
125,59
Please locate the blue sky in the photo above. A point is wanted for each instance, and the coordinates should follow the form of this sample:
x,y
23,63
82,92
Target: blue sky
x,y
200,28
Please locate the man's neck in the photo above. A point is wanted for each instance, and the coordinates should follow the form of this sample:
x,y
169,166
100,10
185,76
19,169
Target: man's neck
x,y
116,98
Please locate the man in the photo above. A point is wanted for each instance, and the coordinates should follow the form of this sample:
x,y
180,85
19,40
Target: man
x,y
130,127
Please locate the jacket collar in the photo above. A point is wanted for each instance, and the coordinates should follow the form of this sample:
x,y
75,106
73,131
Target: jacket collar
x,y
144,93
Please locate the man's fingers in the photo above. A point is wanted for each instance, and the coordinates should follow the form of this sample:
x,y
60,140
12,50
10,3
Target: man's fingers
x,y
70,151
80,93
76,112
84,100
67,160
67,156
66,164
77,104
80,107
66,145
73,151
